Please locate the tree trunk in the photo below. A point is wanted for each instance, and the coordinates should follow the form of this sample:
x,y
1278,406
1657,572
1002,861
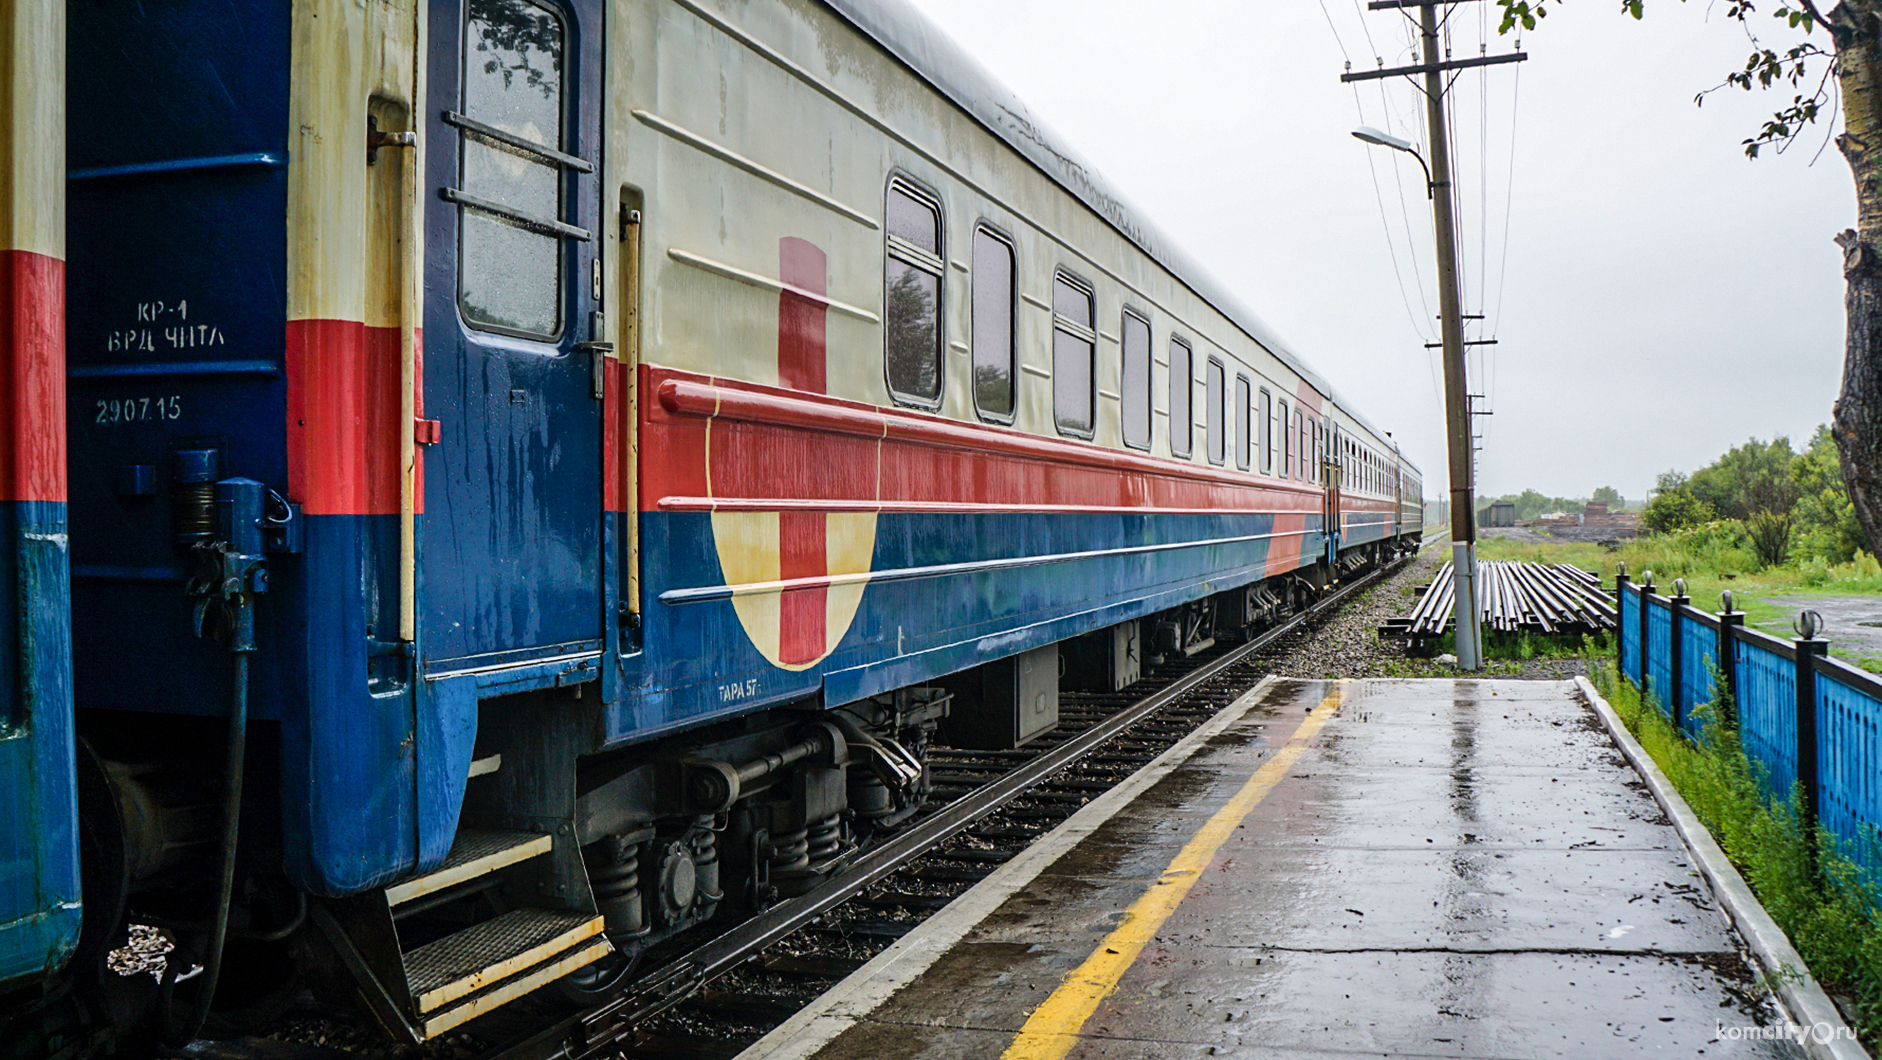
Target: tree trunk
x,y
1856,421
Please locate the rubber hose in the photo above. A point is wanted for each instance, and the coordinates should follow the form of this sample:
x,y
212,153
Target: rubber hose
x,y
178,1037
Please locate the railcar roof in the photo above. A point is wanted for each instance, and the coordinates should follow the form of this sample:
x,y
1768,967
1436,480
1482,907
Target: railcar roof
x,y
906,34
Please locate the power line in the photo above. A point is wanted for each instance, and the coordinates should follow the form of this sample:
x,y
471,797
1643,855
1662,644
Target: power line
x,y
1398,271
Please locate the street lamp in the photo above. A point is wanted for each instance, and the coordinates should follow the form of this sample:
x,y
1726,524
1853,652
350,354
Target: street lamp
x,y
1451,324
1382,139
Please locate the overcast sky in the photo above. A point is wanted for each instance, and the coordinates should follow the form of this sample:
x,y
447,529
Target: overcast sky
x,y
1662,298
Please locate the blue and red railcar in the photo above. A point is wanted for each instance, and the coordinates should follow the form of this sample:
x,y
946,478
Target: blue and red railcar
x,y
602,440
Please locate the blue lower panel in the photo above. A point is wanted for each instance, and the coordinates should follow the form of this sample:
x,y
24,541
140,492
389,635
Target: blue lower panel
x,y
39,889
948,591
350,738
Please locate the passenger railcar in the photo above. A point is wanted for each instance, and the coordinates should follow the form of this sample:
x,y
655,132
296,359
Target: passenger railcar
x,y
582,452
39,857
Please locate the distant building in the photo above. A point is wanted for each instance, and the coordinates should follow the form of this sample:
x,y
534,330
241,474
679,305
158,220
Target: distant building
x,y
1598,515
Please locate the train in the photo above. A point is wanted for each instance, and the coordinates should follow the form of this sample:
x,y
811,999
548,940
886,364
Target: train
x,y
497,485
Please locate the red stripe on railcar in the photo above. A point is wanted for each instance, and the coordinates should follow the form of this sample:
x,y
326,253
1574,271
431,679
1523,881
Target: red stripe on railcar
x,y
802,554
1289,531
769,443
343,418
614,435
801,322
802,536
32,377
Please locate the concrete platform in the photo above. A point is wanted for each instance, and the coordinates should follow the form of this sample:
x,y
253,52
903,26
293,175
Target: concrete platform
x,y
1402,868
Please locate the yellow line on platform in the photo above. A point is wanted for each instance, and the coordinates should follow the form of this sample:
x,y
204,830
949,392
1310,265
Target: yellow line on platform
x,y
1052,1030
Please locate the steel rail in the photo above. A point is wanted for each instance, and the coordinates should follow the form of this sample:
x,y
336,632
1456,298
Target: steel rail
x,y
607,1025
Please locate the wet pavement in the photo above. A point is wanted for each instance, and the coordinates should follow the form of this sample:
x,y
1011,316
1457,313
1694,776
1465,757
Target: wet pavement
x,y
1431,868
1852,623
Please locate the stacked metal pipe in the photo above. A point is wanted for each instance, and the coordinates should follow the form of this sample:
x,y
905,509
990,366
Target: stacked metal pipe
x,y
1514,597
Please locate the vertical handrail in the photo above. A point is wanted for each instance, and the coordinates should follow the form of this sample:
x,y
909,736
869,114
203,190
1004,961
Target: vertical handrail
x,y
408,395
630,382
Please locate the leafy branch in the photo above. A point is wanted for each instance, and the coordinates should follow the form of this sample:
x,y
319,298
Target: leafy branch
x,y
1766,67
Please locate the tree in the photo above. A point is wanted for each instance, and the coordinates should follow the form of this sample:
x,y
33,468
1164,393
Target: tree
x,y
1826,522
1671,506
1754,478
1676,510
1609,496
1853,59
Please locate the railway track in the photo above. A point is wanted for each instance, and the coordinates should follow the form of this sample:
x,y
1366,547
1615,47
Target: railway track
x,y
712,1000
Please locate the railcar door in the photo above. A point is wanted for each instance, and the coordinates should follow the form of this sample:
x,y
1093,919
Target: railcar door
x,y
1330,512
1398,497
512,538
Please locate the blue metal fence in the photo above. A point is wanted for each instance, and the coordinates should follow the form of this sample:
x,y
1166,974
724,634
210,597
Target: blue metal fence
x,y
1848,750
1699,655
1767,713
1808,722
1630,619
1659,666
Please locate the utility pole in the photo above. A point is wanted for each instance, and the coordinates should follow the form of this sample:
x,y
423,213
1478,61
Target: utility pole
x,y
1456,387
1457,411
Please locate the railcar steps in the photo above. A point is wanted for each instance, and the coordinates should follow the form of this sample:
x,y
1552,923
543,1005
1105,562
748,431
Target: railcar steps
x,y
435,951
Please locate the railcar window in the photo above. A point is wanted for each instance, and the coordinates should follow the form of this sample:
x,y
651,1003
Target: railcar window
x,y
911,296
1182,431
510,273
1213,413
1298,466
1284,462
993,324
1267,432
1074,350
1241,422
1136,382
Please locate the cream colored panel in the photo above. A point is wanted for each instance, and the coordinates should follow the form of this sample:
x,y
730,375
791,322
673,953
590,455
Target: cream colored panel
x,y
32,126
850,548
349,60
747,544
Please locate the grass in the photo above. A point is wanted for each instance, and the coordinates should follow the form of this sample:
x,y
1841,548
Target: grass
x,y
1832,915
1520,647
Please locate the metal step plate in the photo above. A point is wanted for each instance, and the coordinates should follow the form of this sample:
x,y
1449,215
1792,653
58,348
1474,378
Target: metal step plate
x,y
484,954
475,853
510,989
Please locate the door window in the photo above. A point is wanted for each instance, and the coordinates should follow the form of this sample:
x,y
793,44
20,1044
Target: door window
x,y
509,243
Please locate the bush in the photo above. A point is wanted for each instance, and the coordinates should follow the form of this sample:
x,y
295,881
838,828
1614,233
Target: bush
x,y
1770,536
1826,521
1676,510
